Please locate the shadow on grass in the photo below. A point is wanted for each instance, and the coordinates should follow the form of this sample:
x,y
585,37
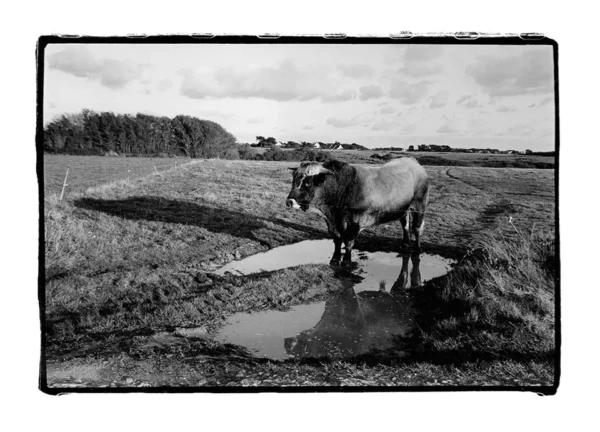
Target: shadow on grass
x,y
269,232
211,217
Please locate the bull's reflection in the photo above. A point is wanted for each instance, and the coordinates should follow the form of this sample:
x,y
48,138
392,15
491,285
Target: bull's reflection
x,y
356,323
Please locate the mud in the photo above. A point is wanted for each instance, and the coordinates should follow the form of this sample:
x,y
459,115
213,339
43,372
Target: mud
x,y
371,313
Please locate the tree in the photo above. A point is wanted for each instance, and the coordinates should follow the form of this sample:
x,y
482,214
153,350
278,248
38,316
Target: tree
x,y
96,133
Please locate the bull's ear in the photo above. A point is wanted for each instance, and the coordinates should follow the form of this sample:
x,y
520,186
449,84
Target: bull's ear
x,y
326,172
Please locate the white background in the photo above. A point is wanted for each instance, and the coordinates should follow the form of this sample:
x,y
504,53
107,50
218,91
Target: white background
x,y
24,407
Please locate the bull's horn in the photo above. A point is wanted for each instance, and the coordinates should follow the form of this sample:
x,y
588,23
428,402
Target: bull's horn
x,y
293,169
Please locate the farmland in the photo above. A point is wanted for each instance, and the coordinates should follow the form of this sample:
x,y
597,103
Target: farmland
x,y
87,171
127,259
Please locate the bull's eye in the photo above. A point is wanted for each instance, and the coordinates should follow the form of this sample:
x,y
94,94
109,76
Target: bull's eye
x,y
307,183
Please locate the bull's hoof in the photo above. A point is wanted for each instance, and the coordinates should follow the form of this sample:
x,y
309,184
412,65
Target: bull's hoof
x,y
334,262
349,264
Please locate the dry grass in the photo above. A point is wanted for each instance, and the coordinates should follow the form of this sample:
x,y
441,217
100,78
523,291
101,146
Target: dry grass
x,y
497,304
87,171
130,258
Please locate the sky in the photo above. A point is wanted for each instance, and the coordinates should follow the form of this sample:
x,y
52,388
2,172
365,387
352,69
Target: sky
x,y
480,96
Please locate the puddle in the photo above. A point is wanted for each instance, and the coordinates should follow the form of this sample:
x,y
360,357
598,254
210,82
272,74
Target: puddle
x,y
368,315
306,252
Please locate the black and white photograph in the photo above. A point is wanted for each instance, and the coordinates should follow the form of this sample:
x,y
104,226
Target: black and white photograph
x,y
290,214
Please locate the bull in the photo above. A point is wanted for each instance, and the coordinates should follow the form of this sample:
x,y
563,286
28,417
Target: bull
x,y
352,198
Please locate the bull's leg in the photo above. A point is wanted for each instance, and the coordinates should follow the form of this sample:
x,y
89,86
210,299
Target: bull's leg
x,y
337,242
415,274
349,237
402,282
405,221
419,219
337,252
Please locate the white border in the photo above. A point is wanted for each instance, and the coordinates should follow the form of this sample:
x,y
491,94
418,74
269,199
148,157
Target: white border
x,y
26,407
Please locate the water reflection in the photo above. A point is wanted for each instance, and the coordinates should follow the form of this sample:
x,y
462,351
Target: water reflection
x,y
367,315
357,323
415,275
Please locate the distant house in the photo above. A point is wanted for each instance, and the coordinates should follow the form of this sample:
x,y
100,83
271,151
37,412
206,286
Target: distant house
x,y
280,144
316,145
335,147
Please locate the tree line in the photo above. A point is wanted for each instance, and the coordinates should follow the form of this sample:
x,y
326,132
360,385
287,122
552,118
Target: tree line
x,y
92,133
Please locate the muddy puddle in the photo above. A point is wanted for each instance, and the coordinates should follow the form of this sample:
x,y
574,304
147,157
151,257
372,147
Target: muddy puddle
x,y
371,313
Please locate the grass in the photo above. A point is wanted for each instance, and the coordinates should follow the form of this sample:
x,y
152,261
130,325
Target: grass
x,y
87,171
132,258
488,160
497,304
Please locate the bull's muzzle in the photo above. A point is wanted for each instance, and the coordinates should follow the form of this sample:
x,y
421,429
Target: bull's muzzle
x,y
291,202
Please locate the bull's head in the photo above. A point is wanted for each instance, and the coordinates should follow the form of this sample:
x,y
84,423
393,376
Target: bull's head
x,y
306,182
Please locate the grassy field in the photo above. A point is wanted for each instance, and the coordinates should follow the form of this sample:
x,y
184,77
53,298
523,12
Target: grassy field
x,y
486,160
132,258
87,171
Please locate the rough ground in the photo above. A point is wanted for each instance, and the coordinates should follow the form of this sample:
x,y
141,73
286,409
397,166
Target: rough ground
x,y
127,260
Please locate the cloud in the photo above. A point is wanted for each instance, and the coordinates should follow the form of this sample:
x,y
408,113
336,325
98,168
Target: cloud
x,y
339,97
451,126
468,101
472,104
417,69
477,126
340,123
370,92
409,93
384,125
463,99
529,72
421,60
356,71
354,121
387,110
408,129
439,99
284,82
546,101
422,52
81,63
523,130
504,108
164,85
256,120
75,61
115,74
308,127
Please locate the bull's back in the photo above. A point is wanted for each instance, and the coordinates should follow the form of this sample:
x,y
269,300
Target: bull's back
x,y
390,187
